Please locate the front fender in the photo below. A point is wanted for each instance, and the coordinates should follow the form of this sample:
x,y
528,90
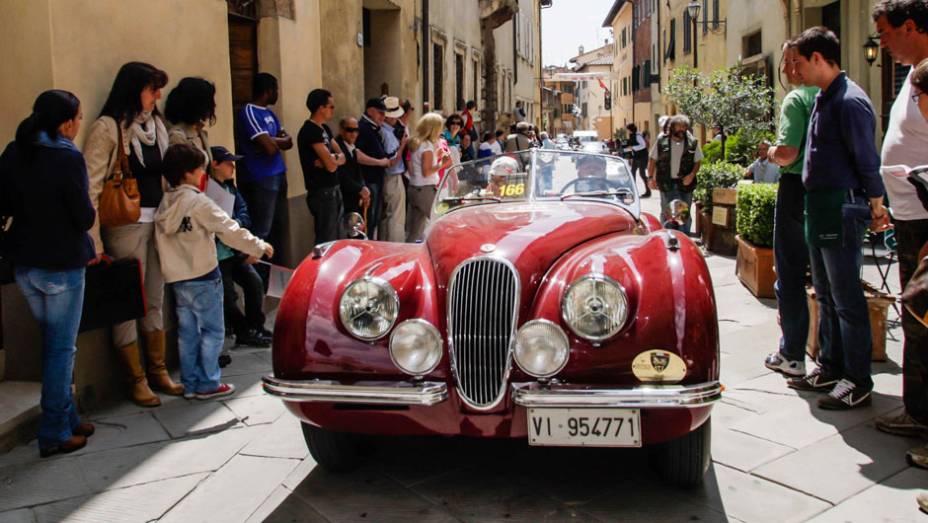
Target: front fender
x,y
309,338
671,306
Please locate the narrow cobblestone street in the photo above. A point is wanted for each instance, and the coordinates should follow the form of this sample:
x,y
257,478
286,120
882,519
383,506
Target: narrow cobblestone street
x,y
777,457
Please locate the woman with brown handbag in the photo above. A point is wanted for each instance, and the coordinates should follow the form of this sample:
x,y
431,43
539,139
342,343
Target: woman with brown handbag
x,y
124,150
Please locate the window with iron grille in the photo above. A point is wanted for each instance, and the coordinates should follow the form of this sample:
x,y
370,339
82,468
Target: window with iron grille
x,y
751,45
715,14
687,32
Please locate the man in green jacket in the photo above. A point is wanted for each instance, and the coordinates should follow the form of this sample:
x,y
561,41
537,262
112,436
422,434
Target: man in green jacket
x,y
791,254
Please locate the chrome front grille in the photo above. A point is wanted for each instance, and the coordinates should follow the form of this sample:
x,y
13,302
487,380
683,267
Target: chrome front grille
x,y
483,301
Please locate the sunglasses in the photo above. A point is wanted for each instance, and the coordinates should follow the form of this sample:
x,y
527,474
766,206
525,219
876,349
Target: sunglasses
x,y
352,129
459,124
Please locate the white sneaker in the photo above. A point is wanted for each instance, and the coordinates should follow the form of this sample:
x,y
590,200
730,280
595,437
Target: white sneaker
x,y
784,366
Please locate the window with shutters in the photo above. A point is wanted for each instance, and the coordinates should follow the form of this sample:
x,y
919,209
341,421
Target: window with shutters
x,y
687,29
715,14
438,74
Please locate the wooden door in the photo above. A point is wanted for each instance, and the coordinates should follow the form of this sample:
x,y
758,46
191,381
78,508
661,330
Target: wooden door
x,y
243,57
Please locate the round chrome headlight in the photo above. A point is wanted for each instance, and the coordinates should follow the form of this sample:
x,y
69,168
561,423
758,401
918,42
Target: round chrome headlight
x,y
542,348
368,308
415,347
595,307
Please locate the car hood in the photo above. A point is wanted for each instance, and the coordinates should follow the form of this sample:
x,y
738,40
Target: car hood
x,y
532,236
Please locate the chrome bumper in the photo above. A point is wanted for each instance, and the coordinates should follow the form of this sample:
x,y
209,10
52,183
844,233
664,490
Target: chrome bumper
x,y
424,393
641,397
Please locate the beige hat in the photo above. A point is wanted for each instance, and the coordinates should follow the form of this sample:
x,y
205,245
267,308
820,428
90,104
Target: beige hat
x,y
394,109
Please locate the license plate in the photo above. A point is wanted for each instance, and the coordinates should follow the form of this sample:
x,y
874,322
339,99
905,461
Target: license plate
x,y
584,427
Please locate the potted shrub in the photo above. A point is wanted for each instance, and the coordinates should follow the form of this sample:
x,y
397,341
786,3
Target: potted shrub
x,y
712,176
878,304
755,207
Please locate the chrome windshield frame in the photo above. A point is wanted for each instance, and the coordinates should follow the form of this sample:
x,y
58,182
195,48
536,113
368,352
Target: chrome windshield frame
x,y
534,169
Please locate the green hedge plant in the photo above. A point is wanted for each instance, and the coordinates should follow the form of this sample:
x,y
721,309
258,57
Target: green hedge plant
x,y
712,175
755,207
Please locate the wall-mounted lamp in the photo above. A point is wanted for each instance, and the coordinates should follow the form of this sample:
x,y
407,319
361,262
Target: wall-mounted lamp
x,y
871,50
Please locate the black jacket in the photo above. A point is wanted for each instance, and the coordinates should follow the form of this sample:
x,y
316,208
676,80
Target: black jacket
x,y
350,178
48,200
371,143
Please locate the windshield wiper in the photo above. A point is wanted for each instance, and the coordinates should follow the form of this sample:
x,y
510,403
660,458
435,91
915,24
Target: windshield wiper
x,y
622,192
463,199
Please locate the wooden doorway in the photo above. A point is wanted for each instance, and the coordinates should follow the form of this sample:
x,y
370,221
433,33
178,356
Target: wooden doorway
x,y
243,57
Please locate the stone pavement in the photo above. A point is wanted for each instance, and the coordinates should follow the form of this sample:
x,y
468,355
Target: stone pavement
x,y
776,457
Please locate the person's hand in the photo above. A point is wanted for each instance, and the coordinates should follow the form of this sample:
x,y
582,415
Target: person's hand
x,y
317,163
880,219
251,260
282,134
652,184
365,193
688,179
269,251
385,162
102,257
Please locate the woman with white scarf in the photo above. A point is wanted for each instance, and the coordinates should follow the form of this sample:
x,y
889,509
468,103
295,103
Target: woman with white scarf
x,y
131,106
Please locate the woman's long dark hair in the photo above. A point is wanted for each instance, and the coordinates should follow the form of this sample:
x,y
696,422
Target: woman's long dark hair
x,y
51,109
124,102
191,102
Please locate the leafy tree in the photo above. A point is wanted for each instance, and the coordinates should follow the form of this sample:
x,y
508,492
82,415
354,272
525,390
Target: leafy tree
x,y
726,99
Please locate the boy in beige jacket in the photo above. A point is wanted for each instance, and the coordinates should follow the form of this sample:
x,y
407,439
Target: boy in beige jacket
x,y
186,225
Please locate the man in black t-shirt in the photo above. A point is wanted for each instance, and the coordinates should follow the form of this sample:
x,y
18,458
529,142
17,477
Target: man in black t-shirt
x,y
320,158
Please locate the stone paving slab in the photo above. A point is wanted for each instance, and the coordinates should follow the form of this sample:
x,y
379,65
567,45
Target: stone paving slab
x,y
742,451
753,499
23,515
196,417
234,492
40,482
282,439
256,410
284,507
892,501
130,505
842,465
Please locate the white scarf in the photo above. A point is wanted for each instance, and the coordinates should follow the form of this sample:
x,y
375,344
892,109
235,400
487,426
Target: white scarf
x,y
146,129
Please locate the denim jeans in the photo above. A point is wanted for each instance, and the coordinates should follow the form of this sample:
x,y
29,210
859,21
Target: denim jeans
x,y
263,198
791,259
326,207
235,271
675,194
373,213
844,321
912,234
56,299
200,332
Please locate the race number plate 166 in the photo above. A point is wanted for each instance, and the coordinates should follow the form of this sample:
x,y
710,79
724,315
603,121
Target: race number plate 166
x,y
584,427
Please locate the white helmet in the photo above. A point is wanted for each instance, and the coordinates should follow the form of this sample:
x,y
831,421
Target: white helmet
x,y
504,166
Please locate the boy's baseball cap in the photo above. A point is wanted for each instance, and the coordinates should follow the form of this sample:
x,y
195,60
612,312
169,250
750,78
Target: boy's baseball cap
x,y
221,154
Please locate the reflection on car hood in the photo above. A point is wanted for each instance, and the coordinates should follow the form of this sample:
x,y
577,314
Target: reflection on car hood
x,y
530,235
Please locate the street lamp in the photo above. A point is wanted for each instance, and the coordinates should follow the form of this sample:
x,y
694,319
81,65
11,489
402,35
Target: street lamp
x,y
871,50
693,9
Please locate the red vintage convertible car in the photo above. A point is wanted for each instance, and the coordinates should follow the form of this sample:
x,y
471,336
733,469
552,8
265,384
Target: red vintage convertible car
x,y
542,304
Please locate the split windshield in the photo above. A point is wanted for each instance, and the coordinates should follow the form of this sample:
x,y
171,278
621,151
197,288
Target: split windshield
x,y
538,175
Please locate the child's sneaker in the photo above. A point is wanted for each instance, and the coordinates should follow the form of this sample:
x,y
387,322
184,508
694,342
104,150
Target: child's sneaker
x,y
789,368
224,389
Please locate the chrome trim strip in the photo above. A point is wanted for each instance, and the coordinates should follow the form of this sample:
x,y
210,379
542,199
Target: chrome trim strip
x,y
454,304
642,397
425,393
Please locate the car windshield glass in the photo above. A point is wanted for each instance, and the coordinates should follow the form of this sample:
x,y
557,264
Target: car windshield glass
x,y
538,175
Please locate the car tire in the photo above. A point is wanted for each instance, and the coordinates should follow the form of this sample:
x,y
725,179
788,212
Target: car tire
x,y
684,461
333,451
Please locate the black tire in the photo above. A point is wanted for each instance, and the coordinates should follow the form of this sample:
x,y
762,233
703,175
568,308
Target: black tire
x,y
684,461
334,451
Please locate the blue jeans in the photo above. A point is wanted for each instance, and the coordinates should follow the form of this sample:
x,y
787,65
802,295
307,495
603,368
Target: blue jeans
x,y
373,213
263,199
56,299
675,194
844,322
791,258
200,332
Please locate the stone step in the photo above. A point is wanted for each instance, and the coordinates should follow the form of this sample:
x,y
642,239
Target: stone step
x,y
19,411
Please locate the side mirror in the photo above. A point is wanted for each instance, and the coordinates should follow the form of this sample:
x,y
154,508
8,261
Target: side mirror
x,y
355,226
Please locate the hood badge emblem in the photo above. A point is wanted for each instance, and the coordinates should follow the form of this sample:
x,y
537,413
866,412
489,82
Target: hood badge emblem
x,y
487,248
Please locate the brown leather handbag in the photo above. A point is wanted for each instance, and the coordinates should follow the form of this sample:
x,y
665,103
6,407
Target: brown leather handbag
x,y
120,201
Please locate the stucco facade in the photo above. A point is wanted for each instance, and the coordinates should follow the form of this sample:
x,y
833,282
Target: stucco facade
x,y
518,58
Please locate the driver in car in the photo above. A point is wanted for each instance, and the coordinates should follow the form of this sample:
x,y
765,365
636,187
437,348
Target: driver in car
x,y
500,171
591,174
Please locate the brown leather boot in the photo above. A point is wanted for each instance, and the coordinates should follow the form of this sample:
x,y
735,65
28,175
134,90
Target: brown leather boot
x,y
158,376
139,391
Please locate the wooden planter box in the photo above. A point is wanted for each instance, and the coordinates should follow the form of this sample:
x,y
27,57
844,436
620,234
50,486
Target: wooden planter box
x,y
723,222
878,304
755,268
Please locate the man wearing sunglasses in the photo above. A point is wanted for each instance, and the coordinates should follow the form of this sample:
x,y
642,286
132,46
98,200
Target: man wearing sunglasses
x,y
355,193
